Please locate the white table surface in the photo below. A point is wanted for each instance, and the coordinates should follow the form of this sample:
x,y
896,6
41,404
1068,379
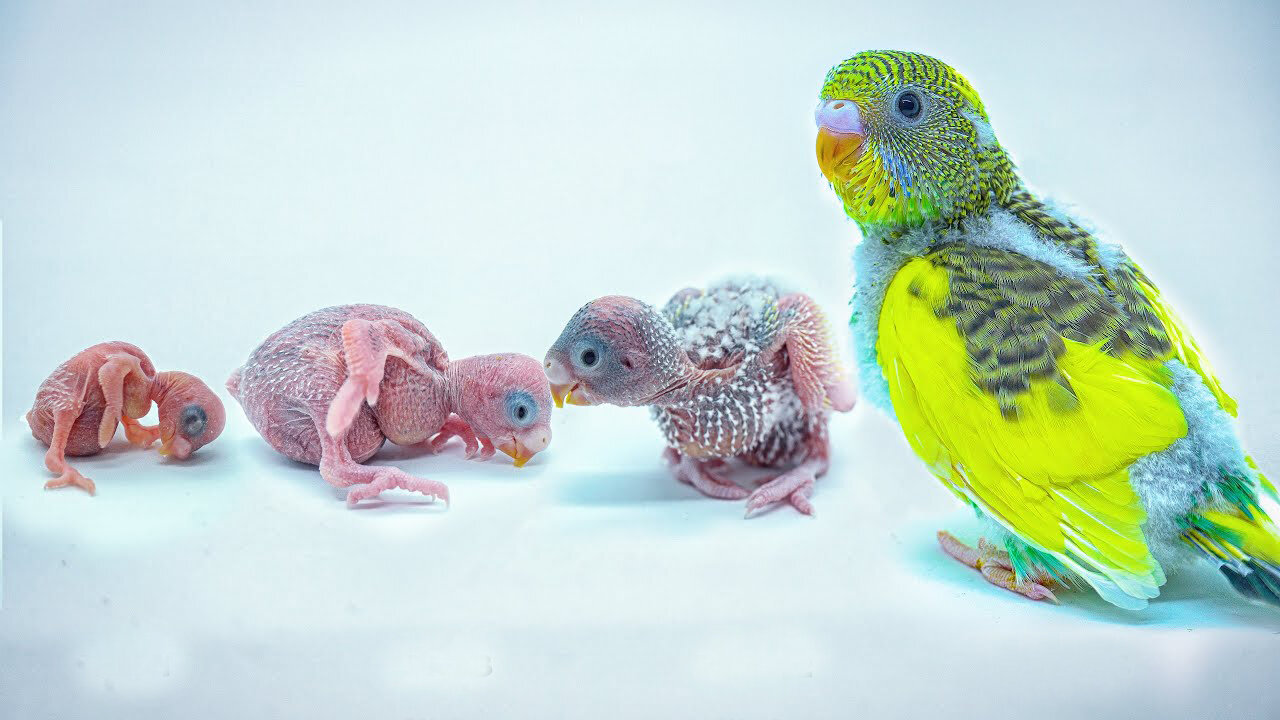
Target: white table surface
x,y
191,178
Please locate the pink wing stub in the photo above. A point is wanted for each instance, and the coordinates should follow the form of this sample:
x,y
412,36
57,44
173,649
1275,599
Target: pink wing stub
x,y
815,369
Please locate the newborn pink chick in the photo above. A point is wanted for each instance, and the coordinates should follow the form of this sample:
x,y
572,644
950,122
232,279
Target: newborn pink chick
x,y
330,387
78,407
741,370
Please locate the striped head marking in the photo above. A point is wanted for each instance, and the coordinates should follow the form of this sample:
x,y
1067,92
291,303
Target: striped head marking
x,y
903,138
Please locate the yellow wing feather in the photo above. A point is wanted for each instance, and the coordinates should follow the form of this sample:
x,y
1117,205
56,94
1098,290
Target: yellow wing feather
x,y
1057,476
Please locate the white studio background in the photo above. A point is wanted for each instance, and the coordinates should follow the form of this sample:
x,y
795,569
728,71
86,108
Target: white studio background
x,y
190,177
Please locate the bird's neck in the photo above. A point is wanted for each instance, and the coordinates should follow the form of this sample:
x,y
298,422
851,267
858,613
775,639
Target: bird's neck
x,y
1014,198
464,381
167,382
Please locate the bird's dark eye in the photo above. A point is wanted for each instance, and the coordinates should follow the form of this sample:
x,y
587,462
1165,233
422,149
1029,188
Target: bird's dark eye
x,y
909,105
589,357
520,408
192,421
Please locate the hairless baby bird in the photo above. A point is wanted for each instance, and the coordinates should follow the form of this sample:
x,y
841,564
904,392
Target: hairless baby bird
x,y
740,370
331,387
79,406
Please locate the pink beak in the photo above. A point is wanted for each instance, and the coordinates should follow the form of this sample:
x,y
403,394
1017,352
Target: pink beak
x,y
179,448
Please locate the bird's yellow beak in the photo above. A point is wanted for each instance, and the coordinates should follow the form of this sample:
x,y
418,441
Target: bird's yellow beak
x,y
517,451
837,152
568,393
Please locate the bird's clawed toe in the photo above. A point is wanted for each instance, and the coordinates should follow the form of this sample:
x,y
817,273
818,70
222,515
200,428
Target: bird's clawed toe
x,y
392,478
995,566
72,477
796,487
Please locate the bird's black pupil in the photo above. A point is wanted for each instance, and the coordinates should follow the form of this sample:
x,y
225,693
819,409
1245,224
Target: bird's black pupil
x,y
909,105
522,412
588,357
193,421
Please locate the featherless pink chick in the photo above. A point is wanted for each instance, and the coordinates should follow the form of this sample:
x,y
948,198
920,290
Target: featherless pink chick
x,y
78,408
740,370
331,387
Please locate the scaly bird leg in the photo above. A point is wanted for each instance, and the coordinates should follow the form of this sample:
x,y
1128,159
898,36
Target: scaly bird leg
x,y
796,485
366,345
705,475
994,565
377,479
138,434
55,459
339,469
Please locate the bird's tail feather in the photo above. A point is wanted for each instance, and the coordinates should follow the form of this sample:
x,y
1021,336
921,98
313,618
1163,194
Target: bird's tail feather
x,y
1246,547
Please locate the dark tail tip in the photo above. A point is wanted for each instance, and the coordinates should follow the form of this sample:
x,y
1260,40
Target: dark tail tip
x,y
1258,581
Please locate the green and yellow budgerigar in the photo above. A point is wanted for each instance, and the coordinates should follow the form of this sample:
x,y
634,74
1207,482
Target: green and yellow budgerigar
x,y
1037,371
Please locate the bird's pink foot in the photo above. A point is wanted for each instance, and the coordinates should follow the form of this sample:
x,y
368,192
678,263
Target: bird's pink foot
x,y
457,427
994,565
138,434
392,478
795,486
705,475
71,477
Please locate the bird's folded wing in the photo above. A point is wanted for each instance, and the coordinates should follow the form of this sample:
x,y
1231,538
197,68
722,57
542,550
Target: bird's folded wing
x,y
1054,470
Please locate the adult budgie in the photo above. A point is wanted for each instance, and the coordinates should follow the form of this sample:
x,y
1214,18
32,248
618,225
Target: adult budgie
x,y
1037,371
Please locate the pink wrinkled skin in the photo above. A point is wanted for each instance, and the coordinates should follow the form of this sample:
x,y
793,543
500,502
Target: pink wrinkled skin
x,y
79,406
331,387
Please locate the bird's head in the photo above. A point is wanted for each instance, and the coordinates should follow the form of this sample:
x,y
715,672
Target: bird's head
x,y
904,139
190,414
615,350
505,397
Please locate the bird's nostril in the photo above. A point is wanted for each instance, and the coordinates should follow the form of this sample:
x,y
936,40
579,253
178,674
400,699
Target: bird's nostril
x,y
838,105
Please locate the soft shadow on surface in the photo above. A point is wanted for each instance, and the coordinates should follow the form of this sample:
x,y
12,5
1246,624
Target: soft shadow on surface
x,y
114,465
623,487
278,468
390,503
390,451
1194,597
654,482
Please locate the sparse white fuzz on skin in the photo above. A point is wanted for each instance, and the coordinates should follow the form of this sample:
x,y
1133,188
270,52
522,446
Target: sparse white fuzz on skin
x,y
755,410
